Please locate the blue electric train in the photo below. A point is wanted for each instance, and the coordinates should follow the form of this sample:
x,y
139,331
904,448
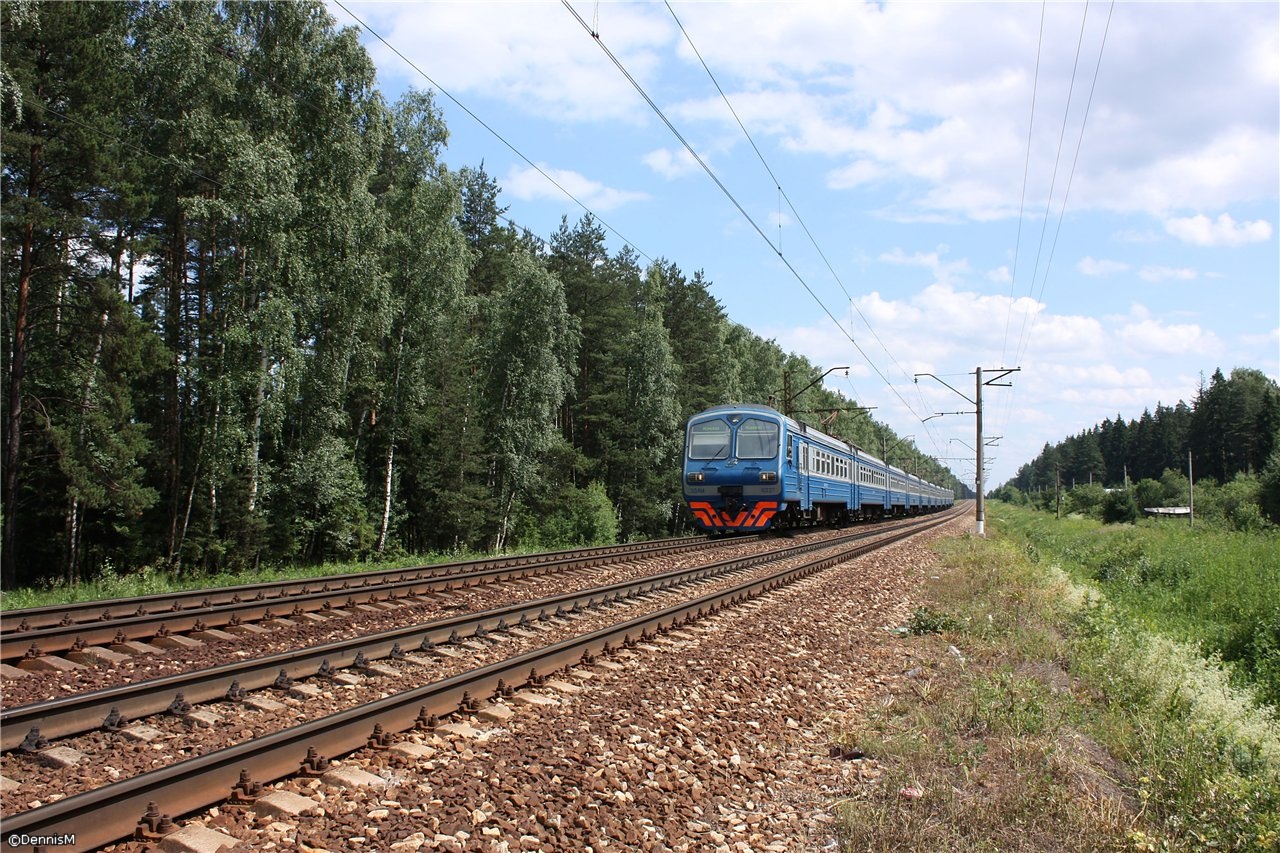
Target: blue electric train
x,y
750,467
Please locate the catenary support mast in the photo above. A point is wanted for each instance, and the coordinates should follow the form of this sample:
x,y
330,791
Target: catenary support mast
x,y
976,402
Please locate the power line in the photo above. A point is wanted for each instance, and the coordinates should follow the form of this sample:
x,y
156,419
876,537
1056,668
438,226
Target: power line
x,y
486,126
725,190
1053,180
1024,341
783,194
1084,120
1026,168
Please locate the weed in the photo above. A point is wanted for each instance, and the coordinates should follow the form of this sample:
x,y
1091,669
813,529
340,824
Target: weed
x,y
926,620
1072,725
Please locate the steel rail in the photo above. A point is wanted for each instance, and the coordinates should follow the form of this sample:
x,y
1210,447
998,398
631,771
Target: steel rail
x,y
109,813
233,610
62,615
72,715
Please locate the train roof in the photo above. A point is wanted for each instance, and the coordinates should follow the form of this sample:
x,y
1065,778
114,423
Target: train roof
x,y
803,428
794,424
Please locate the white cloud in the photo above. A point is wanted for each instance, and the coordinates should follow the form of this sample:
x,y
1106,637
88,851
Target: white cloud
x,y
1158,274
1000,275
528,184
532,56
929,100
671,163
856,174
1089,266
779,219
1137,236
1203,231
944,271
940,323
936,99
1149,337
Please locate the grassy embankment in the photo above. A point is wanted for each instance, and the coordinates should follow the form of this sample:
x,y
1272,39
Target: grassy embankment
x,y
1062,701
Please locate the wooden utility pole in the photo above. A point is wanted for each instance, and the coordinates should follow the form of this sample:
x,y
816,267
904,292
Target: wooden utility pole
x,y
1191,493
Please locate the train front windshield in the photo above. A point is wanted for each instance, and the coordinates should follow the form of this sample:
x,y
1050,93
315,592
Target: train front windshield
x,y
753,438
757,439
709,440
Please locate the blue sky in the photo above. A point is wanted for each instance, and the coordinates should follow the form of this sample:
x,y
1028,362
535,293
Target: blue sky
x,y
965,211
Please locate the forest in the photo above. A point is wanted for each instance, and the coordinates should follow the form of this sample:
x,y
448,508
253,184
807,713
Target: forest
x,y
1230,434
252,316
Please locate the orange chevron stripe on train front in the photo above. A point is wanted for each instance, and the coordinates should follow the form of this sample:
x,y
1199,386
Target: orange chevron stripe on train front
x,y
756,518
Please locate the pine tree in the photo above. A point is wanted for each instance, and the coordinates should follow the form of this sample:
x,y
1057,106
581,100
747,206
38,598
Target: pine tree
x,y
68,90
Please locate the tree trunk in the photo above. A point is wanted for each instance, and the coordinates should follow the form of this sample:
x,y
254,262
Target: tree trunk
x,y
173,404
73,524
255,441
386,503
391,441
17,363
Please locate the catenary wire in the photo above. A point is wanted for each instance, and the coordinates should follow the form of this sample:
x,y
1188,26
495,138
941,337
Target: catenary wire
x,y
1053,180
783,195
491,130
693,153
1025,342
1022,201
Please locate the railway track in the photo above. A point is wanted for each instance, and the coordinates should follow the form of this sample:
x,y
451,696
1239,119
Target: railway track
x,y
209,779
113,708
95,632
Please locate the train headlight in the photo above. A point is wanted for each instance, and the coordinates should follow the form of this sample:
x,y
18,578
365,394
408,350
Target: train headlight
x,y
695,477
768,476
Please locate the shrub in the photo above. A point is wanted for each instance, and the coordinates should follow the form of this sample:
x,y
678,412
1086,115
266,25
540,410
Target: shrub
x,y
1148,493
1176,488
926,620
1086,499
1119,508
1269,485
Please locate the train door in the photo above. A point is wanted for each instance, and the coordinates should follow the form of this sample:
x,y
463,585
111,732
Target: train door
x,y
794,475
806,500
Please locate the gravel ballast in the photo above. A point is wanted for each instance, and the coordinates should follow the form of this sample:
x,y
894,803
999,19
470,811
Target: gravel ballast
x,y
714,737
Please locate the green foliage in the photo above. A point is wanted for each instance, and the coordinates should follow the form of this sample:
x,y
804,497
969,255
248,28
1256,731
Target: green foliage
x,y
1065,719
1118,507
1148,493
1269,486
262,321
926,620
582,517
1209,762
1192,762
1086,500
1230,428
1176,488
1187,581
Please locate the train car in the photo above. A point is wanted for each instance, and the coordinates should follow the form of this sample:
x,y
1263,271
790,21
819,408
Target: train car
x,y
749,467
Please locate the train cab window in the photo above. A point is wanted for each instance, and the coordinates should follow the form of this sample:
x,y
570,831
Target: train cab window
x,y
757,439
709,440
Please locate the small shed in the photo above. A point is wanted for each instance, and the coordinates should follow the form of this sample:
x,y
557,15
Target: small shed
x,y
1167,511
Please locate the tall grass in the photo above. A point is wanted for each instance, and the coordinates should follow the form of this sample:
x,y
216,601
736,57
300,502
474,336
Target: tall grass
x,y
1041,717
1216,589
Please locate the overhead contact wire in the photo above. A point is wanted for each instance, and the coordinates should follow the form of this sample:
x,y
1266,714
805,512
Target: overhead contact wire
x,y
782,192
486,126
1022,201
729,195
1023,342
